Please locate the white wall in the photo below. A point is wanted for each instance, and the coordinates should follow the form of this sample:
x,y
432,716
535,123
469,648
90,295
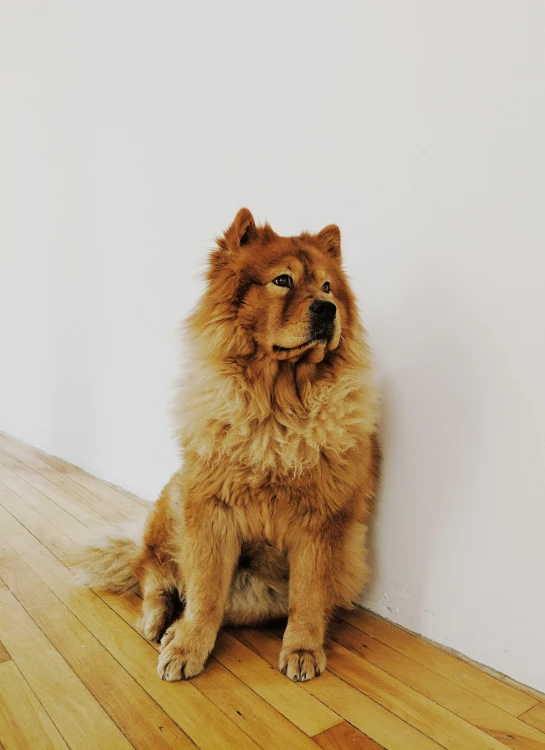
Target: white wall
x,y
131,132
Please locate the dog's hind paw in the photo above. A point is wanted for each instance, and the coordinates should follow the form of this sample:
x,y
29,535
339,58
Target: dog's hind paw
x,y
152,625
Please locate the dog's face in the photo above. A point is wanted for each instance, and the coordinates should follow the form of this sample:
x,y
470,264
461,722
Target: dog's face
x,y
288,295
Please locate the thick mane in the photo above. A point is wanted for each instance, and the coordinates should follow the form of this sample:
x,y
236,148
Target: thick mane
x,y
276,418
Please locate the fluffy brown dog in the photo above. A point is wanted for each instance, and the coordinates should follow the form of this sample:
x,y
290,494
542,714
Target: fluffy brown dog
x,y
267,516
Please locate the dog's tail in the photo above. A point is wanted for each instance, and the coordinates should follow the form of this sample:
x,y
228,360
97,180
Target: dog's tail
x,y
108,563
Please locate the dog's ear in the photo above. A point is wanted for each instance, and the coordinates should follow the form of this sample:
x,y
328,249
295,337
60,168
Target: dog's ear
x,y
330,239
242,231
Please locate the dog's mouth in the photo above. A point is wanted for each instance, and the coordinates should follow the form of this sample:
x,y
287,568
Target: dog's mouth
x,y
281,349
321,338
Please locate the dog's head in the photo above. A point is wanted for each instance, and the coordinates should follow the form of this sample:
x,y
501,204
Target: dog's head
x,y
285,296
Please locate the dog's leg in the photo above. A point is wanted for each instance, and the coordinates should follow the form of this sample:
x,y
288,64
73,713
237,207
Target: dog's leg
x,y
311,598
210,552
160,607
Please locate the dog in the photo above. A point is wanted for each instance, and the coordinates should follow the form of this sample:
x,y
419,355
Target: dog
x,y
276,418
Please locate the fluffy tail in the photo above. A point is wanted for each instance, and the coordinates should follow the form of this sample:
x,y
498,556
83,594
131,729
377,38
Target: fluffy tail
x,y
108,564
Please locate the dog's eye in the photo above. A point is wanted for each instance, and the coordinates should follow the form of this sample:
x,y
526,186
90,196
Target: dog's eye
x,y
283,280
326,287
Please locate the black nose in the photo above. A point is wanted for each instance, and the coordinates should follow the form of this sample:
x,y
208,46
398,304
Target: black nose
x,y
324,310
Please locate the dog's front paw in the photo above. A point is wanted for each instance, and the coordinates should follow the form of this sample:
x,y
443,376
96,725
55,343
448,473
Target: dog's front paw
x,y
182,656
301,665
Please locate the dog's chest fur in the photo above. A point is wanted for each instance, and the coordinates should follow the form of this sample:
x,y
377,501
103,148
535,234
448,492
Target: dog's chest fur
x,y
223,420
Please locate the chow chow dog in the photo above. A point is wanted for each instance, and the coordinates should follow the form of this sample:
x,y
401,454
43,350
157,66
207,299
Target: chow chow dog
x,y
276,417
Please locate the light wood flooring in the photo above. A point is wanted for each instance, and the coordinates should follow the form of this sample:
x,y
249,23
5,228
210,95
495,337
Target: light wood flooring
x,y
75,673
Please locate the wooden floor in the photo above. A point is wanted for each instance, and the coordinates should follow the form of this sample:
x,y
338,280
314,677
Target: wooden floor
x,y
75,673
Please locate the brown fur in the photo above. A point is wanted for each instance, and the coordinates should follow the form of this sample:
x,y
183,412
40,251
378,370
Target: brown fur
x,y
268,515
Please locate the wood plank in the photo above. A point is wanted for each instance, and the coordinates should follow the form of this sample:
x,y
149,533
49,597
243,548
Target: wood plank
x,y
60,516
301,709
501,678
535,717
100,487
84,513
23,722
51,483
139,717
184,703
259,719
345,736
55,540
76,713
4,656
109,511
368,716
467,676
504,679
473,709
433,720
123,499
